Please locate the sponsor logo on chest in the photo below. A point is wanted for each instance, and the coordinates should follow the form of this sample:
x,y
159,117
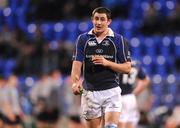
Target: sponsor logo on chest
x,y
99,50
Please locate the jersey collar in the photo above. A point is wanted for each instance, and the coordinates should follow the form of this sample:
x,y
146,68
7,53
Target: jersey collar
x,y
110,33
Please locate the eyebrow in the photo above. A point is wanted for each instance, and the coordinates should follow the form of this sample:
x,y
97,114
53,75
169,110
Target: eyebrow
x,y
99,17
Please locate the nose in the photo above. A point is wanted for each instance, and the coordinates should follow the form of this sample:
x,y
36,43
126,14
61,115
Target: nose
x,y
98,22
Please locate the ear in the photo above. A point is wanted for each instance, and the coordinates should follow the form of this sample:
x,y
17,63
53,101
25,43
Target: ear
x,y
109,21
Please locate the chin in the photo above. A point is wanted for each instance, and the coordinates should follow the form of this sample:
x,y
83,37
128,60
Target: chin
x,y
99,31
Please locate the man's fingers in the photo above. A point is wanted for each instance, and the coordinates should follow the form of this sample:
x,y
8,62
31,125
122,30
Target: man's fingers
x,y
96,57
97,63
76,89
76,93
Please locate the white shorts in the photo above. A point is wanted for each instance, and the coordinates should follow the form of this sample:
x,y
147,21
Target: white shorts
x,y
130,111
95,103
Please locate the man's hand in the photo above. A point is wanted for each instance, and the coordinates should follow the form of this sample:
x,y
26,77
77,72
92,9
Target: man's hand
x,y
75,76
76,88
99,60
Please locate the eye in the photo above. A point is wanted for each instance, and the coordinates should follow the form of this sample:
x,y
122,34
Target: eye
x,y
103,19
96,18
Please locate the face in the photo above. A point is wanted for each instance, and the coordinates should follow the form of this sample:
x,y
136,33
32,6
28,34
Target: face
x,y
100,22
13,81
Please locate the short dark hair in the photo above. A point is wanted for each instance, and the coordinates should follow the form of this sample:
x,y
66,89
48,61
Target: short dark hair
x,y
102,10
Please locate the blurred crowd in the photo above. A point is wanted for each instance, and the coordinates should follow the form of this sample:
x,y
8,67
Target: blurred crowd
x,y
43,102
33,56
158,17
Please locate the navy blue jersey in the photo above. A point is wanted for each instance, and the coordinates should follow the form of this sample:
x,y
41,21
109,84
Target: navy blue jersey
x,y
112,47
127,81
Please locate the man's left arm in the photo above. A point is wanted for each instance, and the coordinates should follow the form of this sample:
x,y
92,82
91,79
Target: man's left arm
x,y
118,67
123,55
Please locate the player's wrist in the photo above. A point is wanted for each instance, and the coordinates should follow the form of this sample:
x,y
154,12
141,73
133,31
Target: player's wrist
x,y
108,63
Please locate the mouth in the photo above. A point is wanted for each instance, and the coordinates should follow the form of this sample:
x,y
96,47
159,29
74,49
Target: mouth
x,y
98,28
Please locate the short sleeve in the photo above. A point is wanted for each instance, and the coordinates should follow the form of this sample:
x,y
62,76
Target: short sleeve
x,y
123,50
78,52
126,51
141,73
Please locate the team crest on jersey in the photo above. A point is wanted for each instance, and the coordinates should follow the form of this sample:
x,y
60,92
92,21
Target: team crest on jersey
x,y
92,43
106,43
99,51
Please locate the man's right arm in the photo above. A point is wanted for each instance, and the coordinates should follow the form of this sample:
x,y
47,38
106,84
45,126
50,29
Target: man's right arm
x,y
78,57
142,81
75,76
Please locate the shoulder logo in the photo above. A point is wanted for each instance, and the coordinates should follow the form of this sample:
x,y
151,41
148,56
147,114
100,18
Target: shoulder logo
x,y
92,43
105,43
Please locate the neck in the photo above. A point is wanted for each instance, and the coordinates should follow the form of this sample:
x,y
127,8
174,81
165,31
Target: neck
x,y
102,34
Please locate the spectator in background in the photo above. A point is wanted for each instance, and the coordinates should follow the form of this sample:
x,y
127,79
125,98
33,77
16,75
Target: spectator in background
x,y
85,5
2,84
10,107
68,10
132,85
58,91
8,47
45,97
173,19
177,63
72,102
3,3
64,58
152,21
174,120
75,121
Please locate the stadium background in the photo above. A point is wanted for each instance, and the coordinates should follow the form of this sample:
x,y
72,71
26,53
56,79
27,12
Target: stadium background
x,y
37,36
